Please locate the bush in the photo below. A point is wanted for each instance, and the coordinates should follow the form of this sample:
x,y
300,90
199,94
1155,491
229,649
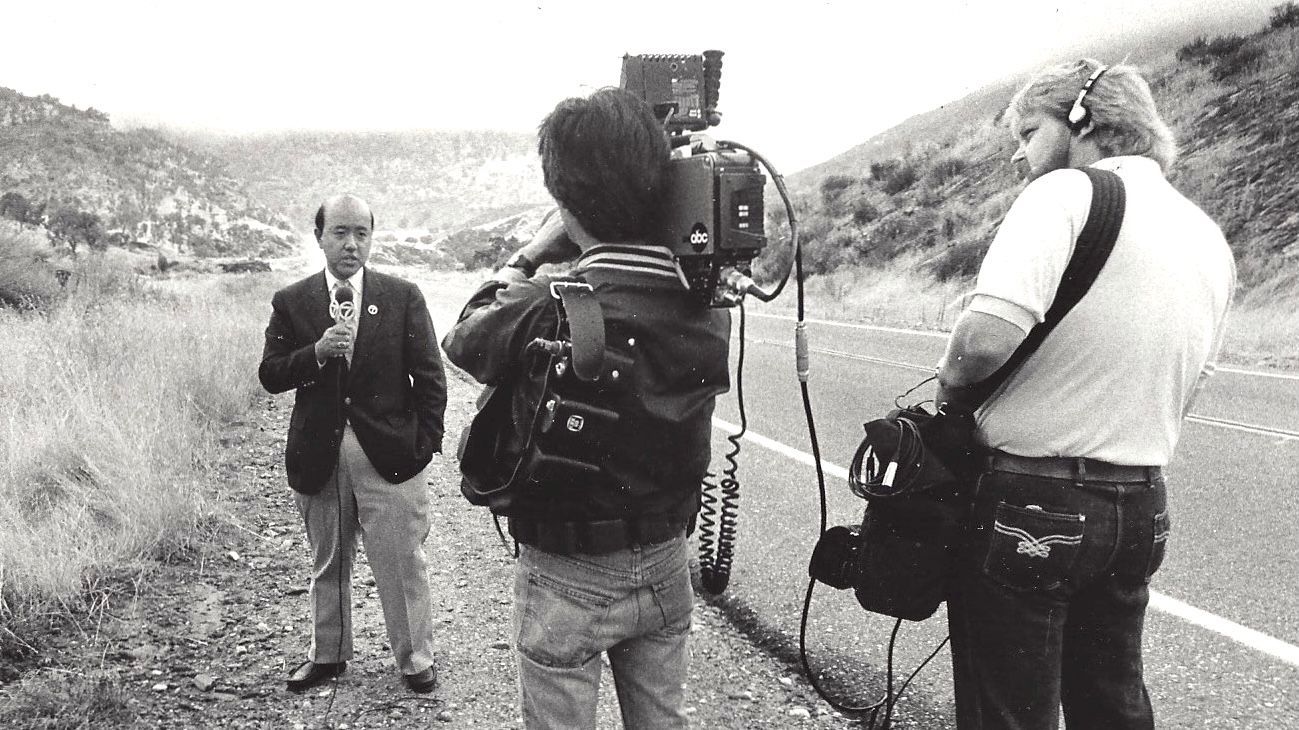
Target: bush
x,y
945,169
835,184
1285,15
961,260
1202,51
899,178
1247,58
864,211
27,279
832,193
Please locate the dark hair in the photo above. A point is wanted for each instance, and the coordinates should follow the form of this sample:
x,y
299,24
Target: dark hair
x,y
604,158
320,220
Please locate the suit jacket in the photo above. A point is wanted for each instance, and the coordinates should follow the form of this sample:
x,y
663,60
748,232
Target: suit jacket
x,y
393,393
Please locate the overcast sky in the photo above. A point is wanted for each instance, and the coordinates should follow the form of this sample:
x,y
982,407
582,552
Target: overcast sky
x,y
801,82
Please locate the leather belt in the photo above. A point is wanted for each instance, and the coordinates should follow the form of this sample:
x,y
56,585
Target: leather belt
x,y
602,536
1071,468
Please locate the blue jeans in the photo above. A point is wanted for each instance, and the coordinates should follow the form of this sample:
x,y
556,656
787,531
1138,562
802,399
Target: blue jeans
x,y
634,604
1049,602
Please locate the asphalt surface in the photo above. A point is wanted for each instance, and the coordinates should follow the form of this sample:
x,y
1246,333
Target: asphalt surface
x,y
1222,637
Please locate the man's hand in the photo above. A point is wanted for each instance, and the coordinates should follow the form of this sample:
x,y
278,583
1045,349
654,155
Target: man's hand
x,y
336,342
550,244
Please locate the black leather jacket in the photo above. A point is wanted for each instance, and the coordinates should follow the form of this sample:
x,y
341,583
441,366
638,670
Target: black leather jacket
x,y
661,446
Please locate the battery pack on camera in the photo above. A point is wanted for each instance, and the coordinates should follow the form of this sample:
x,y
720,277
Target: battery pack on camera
x,y
571,440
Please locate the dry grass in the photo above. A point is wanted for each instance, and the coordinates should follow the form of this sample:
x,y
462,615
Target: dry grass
x,y
1262,330
898,293
110,404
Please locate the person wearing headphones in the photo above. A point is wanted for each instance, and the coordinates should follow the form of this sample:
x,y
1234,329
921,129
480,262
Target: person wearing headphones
x,y
1070,517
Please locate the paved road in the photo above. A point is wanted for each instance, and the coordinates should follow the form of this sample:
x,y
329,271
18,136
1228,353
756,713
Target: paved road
x,y
1222,640
1223,637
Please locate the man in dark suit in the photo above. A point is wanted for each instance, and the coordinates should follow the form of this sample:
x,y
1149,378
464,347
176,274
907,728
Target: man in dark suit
x,y
366,421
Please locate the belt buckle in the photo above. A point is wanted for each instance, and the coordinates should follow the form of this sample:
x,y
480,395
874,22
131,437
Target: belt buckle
x,y
555,286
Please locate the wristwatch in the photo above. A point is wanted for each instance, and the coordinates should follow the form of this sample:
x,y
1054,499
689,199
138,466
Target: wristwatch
x,y
521,262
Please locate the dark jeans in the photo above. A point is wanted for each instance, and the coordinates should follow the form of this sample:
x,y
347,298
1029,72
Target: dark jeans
x,y
1049,601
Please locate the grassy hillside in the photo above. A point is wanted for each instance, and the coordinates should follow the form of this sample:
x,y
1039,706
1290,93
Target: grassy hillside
x,y
930,193
439,181
86,182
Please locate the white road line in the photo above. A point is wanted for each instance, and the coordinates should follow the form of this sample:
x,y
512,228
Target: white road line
x,y
1258,373
850,325
1256,640
1284,434
944,335
1246,427
846,355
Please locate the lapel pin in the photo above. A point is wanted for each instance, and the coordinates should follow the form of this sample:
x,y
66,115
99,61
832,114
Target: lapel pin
x,y
373,310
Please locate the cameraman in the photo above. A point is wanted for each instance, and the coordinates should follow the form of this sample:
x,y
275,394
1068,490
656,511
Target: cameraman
x,y
603,567
1070,518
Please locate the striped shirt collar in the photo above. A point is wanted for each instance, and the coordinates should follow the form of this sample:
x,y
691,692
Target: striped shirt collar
x,y
653,261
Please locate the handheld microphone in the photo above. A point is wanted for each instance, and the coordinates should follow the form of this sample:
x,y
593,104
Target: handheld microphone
x,y
343,307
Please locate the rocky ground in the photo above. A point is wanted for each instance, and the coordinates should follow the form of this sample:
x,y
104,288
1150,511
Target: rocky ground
x,y
206,639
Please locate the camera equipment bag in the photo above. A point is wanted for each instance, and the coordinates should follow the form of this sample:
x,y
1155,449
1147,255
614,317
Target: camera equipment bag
x,y
562,439
904,552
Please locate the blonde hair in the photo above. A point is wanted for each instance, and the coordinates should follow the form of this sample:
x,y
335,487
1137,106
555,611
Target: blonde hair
x,y
1123,114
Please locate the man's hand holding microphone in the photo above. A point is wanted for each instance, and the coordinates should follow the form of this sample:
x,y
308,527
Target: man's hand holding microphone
x,y
338,341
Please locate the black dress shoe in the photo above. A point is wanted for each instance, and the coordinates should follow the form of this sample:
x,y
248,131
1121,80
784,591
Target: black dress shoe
x,y
309,674
423,681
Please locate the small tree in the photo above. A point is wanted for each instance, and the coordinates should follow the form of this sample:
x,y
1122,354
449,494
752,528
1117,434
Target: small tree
x,y
74,228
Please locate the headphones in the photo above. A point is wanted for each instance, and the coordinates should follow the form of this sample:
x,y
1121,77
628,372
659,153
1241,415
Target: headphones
x,y
1079,115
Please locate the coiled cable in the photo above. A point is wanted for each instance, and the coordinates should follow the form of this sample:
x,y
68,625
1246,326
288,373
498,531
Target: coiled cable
x,y
717,548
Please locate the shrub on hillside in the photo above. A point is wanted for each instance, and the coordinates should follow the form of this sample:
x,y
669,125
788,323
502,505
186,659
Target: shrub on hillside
x,y
864,211
830,253
1202,50
1247,58
899,177
945,169
1285,15
961,260
834,184
27,278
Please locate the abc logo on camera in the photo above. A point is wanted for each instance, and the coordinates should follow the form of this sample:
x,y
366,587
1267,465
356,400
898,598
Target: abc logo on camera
x,y
698,238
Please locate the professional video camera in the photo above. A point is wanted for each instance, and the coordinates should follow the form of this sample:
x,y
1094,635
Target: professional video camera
x,y
713,214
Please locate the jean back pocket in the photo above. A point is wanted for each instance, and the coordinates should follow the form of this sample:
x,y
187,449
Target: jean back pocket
x,y
1162,529
1031,549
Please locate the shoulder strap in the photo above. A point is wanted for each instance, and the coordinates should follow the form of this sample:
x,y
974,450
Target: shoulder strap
x,y
585,326
1092,250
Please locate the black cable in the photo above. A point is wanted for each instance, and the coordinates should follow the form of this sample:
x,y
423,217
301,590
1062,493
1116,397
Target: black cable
x,y
903,473
715,559
803,368
338,498
779,180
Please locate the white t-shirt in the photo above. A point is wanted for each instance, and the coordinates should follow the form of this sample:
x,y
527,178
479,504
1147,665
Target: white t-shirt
x,y
1114,379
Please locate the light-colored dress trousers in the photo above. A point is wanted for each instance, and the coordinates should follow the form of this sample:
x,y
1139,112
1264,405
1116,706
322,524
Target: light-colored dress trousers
x,y
393,519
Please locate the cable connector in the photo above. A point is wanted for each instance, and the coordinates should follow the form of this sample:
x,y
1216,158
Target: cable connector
x,y
802,361
732,286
